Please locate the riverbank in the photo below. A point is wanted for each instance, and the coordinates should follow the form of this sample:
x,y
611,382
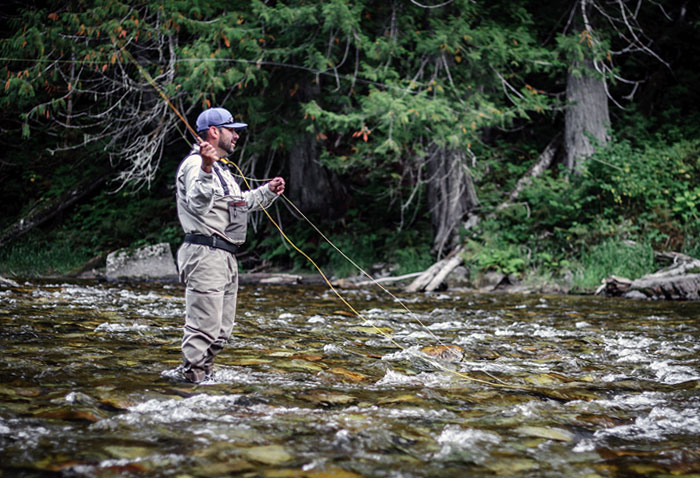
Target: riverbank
x,y
674,275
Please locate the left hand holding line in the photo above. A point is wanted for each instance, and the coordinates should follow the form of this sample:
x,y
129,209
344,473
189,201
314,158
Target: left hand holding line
x,y
276,185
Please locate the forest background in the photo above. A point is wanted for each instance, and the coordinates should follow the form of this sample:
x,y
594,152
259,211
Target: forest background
x,y
555,141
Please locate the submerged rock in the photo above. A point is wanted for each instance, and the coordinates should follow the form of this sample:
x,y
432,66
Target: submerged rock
x,y
153,262
557,434
449,353
268,454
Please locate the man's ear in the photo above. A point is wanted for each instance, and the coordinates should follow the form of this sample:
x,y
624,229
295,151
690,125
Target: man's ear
x,y
214,132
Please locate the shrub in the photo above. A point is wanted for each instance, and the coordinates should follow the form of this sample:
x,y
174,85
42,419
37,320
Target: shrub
x,y
613,257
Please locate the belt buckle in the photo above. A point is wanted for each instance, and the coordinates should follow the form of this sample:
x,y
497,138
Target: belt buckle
x,y
213,241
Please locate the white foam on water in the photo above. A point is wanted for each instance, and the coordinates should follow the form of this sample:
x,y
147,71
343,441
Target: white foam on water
x,y
669,373
629,402
375,311
133,327
454,439
635,342
498,366
392,378
248,376
131,295
333,349
417,335
533,408
197,407
158,459
404,354
631,356
27,434
316,319
613,377
585,446
520,329
472,338
660,423
410,411
544,331
449,325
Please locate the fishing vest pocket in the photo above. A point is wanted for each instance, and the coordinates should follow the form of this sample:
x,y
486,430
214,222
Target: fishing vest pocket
x,y
237,220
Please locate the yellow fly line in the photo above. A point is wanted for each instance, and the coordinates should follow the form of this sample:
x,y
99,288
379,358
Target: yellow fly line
x,y
358,314
427,359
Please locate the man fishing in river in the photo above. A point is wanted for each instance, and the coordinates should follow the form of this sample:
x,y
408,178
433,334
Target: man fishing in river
x,y
213,212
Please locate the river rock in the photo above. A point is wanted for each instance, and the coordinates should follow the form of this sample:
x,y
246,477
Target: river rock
x,y
154,262
459,277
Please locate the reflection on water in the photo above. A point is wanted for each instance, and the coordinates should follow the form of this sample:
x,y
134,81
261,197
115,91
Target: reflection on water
x,y
594,387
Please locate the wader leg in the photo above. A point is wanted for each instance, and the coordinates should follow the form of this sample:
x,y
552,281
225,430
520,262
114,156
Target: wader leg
x,y
228,319
211,278
202,325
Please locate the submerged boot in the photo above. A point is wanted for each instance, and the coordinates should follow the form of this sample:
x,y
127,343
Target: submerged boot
x,y
195,374
208,364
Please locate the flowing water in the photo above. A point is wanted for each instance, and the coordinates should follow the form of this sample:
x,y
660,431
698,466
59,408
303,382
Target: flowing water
x,y
578,386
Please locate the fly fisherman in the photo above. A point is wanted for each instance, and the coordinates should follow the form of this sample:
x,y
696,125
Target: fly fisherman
x,y
213,213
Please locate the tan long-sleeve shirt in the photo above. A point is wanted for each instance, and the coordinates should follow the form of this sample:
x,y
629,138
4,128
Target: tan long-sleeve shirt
x,y
213,203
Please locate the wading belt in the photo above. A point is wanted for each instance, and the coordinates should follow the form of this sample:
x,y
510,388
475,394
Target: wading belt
x,y
211,241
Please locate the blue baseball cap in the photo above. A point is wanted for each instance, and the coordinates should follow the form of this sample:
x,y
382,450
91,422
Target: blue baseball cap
x,y
219,117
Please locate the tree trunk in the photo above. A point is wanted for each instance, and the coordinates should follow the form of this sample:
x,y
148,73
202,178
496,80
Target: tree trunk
x,y
451,195
313,187
587,113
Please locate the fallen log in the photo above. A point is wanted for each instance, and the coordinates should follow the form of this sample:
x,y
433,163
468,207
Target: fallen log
x,y
451,264
614,286
677,264
384,280
4,282
679,281
270,278
674,287
431,278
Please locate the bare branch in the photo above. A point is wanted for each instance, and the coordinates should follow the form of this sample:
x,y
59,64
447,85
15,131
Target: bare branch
x,y
431,6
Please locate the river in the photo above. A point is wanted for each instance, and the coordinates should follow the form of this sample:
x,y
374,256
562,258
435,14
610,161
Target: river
x,y
466,384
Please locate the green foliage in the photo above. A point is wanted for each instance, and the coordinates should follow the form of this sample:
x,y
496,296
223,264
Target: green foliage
x,y
364,242
494,254
613,257
414,258
624,192
41,255
645,193
112,220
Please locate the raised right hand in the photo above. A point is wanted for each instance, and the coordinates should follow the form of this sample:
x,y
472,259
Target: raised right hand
x,y
208,154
